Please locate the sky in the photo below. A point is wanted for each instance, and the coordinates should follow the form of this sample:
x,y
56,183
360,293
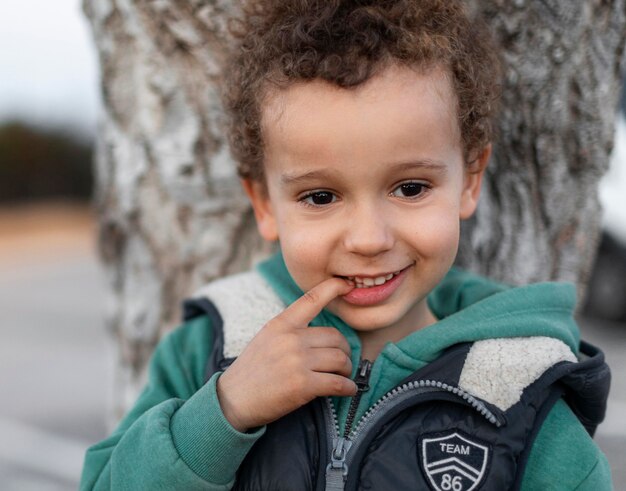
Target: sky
x,y
48,65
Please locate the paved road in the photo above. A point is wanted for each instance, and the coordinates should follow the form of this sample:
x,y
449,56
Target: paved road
x,y
54,369
55,372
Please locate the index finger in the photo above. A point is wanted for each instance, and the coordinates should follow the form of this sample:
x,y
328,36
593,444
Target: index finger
x,y
306,308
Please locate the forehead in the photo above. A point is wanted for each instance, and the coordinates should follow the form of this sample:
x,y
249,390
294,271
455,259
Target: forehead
x,y
400,111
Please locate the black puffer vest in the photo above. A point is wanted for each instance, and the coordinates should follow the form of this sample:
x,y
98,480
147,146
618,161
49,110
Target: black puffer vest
x,y
427,433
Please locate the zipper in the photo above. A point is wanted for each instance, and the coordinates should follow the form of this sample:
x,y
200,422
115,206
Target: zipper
x,y
361,379
337,470
340,456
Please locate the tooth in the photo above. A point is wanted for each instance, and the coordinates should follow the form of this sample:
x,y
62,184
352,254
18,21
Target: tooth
x,y
379,280
389,276
368,281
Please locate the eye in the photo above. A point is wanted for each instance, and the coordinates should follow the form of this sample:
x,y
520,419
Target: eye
x,y
318,198
410,189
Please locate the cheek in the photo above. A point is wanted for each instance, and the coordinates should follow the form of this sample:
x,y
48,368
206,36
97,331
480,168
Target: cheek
x,y
305,249
436,235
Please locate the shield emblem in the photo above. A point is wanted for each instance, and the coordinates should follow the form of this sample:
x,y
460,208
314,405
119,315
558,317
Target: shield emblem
x,y
454,462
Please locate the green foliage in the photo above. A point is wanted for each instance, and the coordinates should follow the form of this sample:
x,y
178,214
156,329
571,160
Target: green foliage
x,y
40,164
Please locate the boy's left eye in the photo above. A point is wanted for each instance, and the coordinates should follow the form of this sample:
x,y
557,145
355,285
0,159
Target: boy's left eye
x,y
409,190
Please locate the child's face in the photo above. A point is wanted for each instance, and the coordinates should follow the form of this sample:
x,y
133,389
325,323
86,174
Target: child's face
x,y
366,183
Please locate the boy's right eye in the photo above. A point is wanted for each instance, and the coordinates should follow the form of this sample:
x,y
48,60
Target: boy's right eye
x,y
318,198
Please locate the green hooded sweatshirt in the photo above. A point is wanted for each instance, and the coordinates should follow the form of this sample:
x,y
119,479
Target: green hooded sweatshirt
x,y
176,436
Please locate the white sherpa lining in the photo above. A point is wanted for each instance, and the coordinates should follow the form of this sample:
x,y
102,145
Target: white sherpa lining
x,y
498,370
246,302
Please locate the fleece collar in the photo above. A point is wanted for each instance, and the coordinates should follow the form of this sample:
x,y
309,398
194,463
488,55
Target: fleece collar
x,y
469,308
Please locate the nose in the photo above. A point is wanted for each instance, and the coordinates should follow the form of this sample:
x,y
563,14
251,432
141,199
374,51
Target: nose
x,y
368,232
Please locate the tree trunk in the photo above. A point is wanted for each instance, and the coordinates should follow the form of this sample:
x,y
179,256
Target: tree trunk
x,y
539,215
172,215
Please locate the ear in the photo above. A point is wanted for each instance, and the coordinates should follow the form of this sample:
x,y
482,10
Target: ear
x,y
259,197
472,183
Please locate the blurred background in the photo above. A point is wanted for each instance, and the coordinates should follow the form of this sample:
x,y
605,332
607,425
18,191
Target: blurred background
x,y
55,355
54,364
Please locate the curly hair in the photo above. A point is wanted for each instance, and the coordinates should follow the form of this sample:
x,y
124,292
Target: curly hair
x,y
346,43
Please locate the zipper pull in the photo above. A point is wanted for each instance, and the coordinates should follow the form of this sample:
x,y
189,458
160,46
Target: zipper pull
x,y
337,470
361,379
362,376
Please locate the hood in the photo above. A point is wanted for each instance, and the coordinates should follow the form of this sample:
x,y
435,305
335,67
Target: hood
x,y
469,308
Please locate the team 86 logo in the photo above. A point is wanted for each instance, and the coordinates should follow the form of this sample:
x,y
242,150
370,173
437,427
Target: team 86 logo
x,y
453,462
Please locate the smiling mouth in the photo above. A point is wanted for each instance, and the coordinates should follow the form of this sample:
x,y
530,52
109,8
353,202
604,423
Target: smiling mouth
x,y
371,281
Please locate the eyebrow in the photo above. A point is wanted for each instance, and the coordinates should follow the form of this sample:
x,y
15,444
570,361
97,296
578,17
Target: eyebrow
x,y
307,176
427,164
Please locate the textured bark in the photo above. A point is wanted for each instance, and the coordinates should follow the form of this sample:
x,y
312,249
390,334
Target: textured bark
x,y
172,216
539,213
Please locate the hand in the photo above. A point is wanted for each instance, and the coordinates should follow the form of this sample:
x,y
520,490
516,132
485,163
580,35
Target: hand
x,y
288,364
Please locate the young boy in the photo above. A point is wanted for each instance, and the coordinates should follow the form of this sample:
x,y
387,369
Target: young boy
x,y
358,357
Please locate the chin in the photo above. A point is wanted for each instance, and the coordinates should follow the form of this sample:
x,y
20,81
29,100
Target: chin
x,y
368,321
